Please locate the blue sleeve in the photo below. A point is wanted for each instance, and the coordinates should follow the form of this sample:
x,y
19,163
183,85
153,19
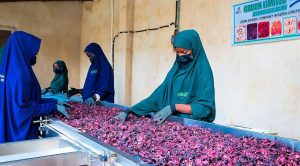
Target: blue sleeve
x,y
102,89
25,106
102,94
105,84
43,109
48,100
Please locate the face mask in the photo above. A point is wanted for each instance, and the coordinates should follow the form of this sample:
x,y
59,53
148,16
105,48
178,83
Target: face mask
x,y
184,58
33,61
56,71
93,59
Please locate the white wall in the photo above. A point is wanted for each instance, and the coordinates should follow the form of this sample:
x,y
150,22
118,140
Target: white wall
x,y
58,24
257,85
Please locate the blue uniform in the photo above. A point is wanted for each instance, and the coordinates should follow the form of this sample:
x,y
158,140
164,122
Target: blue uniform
x,y
20,91
100,77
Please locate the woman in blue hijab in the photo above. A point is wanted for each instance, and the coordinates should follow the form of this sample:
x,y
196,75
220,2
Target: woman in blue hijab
x,y
99,82
20,97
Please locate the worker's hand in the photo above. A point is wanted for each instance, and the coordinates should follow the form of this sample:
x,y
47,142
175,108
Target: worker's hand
x,y
163,114
99,103
90,101
122,116
62,110
63,103
72,92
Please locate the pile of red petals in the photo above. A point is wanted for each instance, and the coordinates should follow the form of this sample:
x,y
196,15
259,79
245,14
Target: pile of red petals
x,y
171,143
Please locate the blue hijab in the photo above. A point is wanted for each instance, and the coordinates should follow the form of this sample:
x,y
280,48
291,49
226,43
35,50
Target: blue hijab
x,y
20,95
100,77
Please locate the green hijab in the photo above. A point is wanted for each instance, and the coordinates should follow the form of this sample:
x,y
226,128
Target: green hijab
x,y
1,53
60,81
190,83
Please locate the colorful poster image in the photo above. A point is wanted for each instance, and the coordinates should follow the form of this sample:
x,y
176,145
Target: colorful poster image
x,y
252,31
241,33
263,29
276,28
290,26
259,21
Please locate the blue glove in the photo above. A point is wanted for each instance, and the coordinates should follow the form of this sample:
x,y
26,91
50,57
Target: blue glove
x,y
63,103
62,110
163,114
122,116
44,91
90,101
99,103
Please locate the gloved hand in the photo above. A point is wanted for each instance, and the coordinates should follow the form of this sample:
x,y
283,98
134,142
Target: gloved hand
x,y
99,103
44,91
72,92
63,103
122,116
62,110
90,101
163,114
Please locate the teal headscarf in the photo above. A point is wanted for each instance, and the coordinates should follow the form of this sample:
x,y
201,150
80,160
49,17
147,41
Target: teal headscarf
x,y
1,53
60,81
190,83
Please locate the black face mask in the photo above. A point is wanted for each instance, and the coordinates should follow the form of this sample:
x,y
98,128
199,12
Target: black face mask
x,y
57,71
33,61
93,59
184,58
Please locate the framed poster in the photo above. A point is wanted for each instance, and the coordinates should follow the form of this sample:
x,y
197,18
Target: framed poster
x,y
258,21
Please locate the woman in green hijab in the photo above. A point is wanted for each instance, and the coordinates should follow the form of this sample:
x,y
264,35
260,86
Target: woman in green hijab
x,y
1,53
60,82
188,89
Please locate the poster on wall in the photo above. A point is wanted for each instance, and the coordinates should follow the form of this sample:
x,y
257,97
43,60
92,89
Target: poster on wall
x,y
260,21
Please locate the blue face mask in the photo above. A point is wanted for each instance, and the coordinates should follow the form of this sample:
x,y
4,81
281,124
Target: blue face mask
x,y
184,58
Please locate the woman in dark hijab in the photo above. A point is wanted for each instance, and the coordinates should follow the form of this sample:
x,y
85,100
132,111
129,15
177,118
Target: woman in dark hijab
x,y
99,82
20,97
60,82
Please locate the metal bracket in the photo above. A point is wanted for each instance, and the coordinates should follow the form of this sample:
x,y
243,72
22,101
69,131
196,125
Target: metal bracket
x,y
42,123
